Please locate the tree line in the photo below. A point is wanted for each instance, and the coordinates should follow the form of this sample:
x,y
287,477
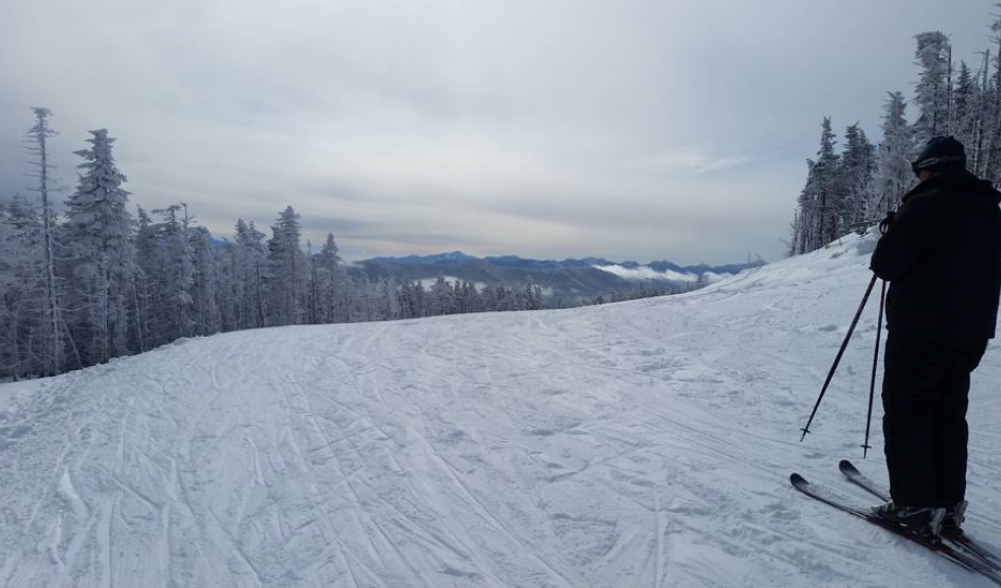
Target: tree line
x,y
94,282
858,186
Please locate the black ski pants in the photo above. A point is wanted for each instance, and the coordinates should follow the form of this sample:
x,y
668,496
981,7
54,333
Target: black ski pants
x,y
926,386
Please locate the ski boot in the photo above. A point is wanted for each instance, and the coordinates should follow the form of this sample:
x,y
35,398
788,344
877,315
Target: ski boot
x,y
925,523
952,523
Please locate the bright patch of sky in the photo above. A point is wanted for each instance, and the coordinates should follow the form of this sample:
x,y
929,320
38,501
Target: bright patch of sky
x,y
565,128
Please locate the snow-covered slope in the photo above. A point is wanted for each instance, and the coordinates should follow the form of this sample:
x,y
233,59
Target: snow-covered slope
x,y
640,444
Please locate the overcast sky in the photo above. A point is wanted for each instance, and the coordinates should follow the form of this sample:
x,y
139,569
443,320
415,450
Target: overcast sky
x,y
630,129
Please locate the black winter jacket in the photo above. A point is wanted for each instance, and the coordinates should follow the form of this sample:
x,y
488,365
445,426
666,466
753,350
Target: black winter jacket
x,y
942,257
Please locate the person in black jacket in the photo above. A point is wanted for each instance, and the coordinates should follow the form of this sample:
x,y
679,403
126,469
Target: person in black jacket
x,y
941,253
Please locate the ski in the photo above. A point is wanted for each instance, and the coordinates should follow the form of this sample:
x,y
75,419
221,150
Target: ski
x,y
957,556
861,480
963,541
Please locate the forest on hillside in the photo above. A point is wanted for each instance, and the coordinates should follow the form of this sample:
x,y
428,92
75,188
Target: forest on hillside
x,y
855,188
87,281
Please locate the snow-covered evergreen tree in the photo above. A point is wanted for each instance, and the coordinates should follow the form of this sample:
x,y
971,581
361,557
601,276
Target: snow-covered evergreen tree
x,y
980,117
991,168
205,283
226,286
964,100
893,163
363,302
409,307
314,314
386,302
175,316
825,180
333,286
466,298
98,231
149,265
855,177
23,329
933,56
489,298
287,270
806,236
440,301
249,271
533,297
821,203
796,231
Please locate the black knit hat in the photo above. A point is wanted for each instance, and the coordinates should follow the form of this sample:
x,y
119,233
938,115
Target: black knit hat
x,y
941,154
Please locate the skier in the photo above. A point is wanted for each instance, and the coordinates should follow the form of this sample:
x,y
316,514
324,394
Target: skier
x,y
941,253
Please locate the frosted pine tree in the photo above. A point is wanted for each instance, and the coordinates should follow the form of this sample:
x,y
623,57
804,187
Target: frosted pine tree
x,y
855,177
174,315
227,291
287,270
488,298
420,300
893,162
818,219
991,168
829,199
314,314
363,302
804,227
933,55
441,297
334,288
250,261
386,303
204,289
466,298
534,298
964,100
9,356
409,307
149,268
795,232
22,324
980,108
98,232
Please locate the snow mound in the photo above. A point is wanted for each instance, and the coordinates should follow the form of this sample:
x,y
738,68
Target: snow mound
x,y
646,443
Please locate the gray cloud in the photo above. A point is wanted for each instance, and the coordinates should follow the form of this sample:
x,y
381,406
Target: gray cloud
x,y
634,129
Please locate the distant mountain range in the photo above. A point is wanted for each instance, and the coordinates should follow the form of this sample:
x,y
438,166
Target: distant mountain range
x,y
569,279
456,257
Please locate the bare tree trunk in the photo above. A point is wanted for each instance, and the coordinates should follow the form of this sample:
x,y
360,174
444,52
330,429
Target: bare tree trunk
x,y
138,312
313,304
72,343
293,313
994,155
14,336
260,297
978,154
39,134
949,123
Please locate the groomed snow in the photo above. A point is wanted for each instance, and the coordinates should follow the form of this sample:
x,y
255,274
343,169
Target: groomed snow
x,y
646,443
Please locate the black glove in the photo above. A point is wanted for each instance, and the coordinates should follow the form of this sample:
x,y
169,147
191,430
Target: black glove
x,y
886,223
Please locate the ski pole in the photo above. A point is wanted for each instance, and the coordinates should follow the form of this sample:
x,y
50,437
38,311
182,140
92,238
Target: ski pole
x,y
875,363
837,359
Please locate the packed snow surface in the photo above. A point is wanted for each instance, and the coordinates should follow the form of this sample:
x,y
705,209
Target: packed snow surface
x,y
641,444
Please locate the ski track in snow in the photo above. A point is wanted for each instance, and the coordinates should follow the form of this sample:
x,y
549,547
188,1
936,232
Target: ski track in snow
x,y
637,444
